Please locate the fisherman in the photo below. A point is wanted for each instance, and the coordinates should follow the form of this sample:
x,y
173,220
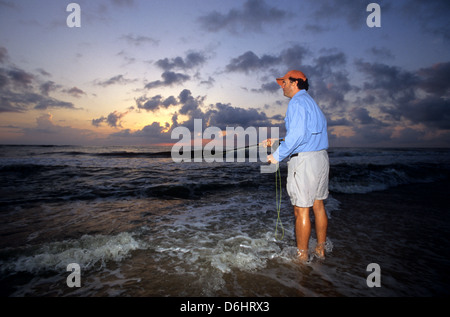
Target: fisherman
x,y
306,144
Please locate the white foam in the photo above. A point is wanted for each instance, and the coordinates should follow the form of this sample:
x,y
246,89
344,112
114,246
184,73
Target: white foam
x,y
88,251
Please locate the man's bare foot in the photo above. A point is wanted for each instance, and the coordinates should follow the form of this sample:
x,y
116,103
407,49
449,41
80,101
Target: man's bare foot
x,y
320,250
302,255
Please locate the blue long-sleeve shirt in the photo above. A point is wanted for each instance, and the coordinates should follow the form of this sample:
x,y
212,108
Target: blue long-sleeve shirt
x,y
306,127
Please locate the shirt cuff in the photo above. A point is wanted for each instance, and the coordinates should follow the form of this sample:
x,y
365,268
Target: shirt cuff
x,y
276,155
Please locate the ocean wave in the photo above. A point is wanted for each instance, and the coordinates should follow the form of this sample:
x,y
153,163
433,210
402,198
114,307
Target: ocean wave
x,y
365,178
89,251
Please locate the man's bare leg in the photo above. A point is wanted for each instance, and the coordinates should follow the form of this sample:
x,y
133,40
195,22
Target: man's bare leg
x,y
302,231
321,221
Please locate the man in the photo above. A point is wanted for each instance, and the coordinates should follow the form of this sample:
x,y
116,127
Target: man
x,y
305,144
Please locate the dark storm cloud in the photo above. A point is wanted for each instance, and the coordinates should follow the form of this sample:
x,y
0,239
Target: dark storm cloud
x,y
251,17
223,115
420,97
11,101
155,102
338,122
192,59
325,64
386,77
288,59
388,100
361,115
21,91
169,79
291,58
435,79
19,77
249,61
191,105
431,111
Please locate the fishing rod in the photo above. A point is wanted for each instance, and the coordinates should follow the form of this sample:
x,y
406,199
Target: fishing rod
x,y
271,145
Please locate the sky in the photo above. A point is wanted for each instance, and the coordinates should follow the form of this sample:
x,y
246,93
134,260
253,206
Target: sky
x,y
133,70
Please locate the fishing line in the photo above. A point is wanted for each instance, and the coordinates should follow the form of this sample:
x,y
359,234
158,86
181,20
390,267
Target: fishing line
x,y
278,194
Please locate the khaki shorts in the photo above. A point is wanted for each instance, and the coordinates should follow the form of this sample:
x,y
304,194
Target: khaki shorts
x,y
307,178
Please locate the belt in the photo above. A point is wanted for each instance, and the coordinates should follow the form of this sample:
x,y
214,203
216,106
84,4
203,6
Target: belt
x,y
293,155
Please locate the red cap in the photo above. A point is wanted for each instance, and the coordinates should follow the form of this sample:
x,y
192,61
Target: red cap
x,y
294,74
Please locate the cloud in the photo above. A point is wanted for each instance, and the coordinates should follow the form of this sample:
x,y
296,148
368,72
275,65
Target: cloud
x,y
397,106
326,73
43,103
123,3
251,17
389,100
47,132
155,102
19,78
192,107
115,80
209,82
388,83
223,115
432,16
362,116
290,58
431,111
75,92
192,59
48,87
169,79
399,92
3,55
21,91
435,79
11,101
249,61
271,87
113,119
381,53
138,40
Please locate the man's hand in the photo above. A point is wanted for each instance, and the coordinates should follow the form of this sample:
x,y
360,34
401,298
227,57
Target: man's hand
x,y
268,142
271,159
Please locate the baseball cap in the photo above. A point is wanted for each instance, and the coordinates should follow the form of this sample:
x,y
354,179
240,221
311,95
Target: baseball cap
x,y
294,74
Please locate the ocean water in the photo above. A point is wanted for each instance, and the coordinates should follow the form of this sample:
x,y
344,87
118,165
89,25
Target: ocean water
x,y
139,224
